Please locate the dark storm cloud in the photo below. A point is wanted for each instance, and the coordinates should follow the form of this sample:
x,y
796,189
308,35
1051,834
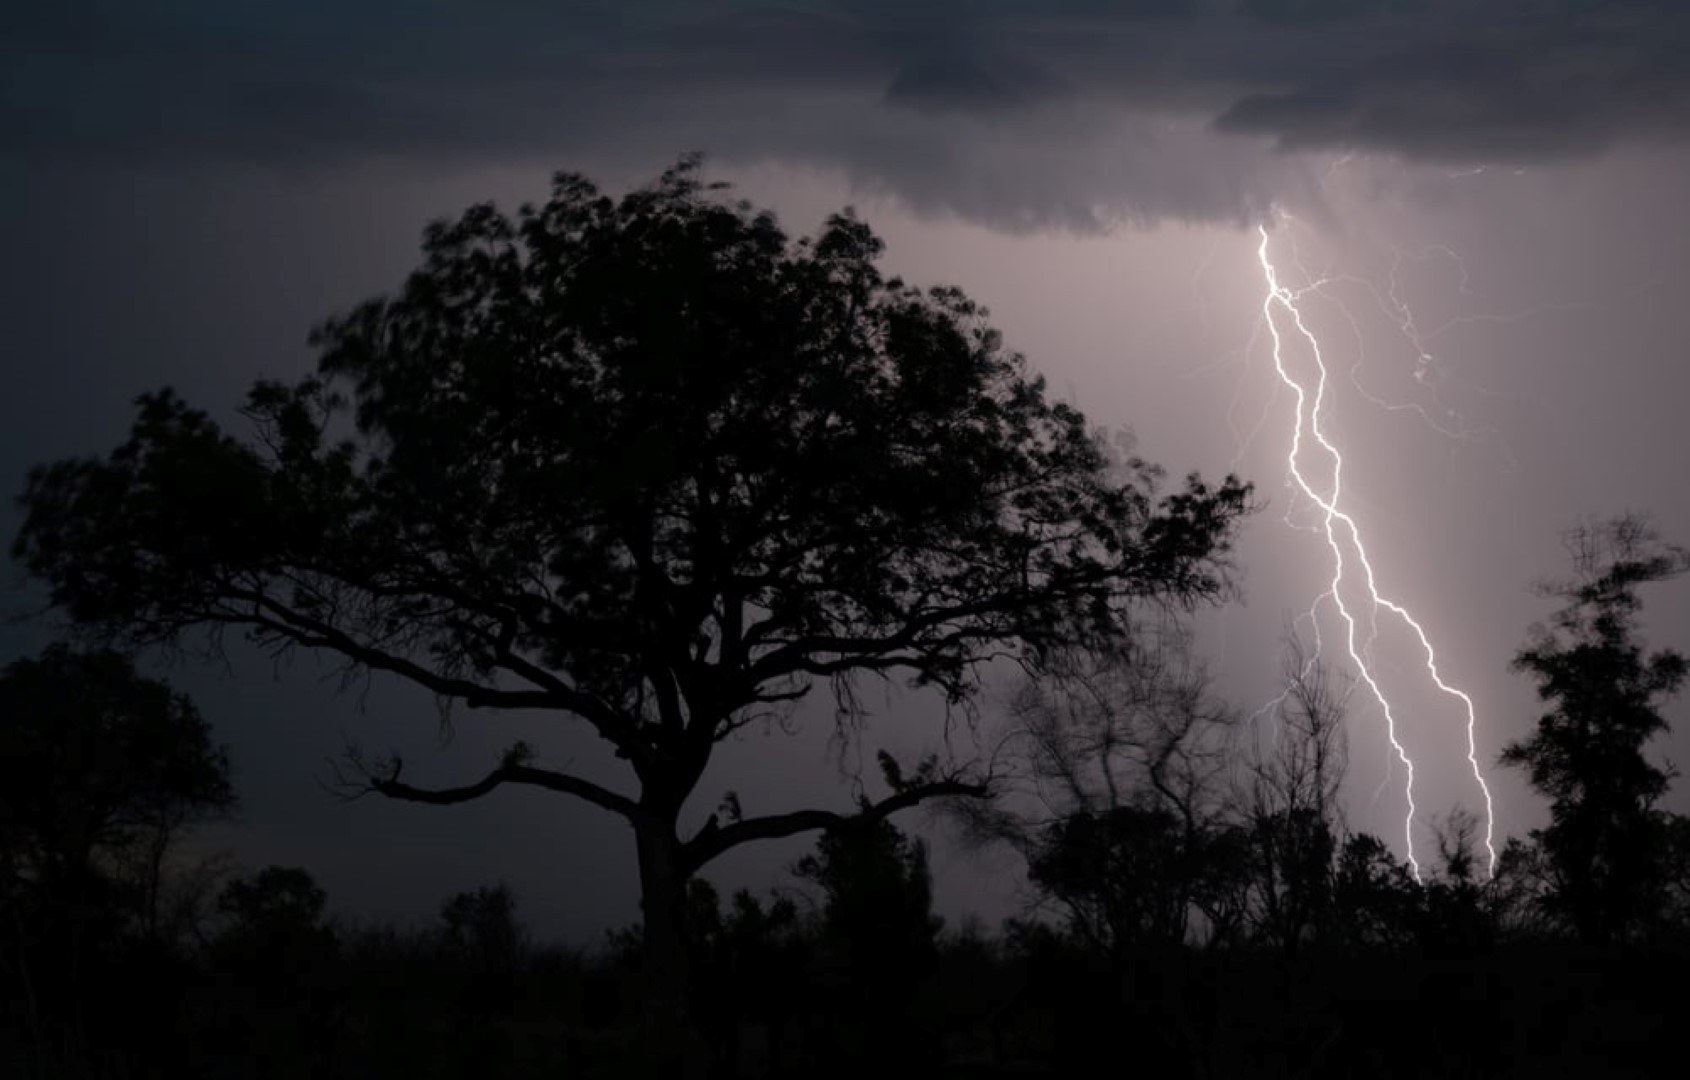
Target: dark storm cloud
x,y
925,100
1524,82
968,82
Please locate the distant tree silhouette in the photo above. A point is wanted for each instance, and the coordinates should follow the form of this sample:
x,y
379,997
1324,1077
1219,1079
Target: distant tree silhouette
x,y
648,464
1122,761
1375,901
274,922
278,977
1462,914
482,930
101,772
275,901
878,934
488,951
1291,801
1119,875
1152,817
1606,848
1676,829
877,892
747,959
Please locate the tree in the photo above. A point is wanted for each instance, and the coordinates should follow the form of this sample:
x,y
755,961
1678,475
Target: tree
x,y
482,930
275,921
280,996
1461,915
1124,876
1375,899
1605,847
747,958
877,893
1676,828
647,464
1291,801
878,934
277,901
101,770
1123,756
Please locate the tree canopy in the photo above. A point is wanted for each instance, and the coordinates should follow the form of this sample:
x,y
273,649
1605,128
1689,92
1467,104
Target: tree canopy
x,y
645,462
1605,845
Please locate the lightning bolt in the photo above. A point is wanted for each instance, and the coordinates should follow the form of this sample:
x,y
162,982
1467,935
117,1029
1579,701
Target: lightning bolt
x,y
1343,538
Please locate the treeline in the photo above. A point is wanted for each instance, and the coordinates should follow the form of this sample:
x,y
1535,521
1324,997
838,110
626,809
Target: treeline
x,y
850,972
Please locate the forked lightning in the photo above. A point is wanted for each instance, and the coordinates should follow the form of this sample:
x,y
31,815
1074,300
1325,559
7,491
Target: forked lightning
x,y
1344,539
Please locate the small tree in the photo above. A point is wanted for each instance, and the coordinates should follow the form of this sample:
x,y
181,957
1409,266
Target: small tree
x,y
275,921
1375,899
645,464
1291,805
1462,914
877,892
748,957
482,931
1124,876
1605,847
1676,914
877,930
1121,760
279,999
101,771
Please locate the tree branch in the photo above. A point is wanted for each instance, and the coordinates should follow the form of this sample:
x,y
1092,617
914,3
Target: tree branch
x,y
510,773
275,617
715,838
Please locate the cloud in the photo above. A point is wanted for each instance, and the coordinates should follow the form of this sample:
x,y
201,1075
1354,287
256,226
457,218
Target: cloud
x,y
1514,85
1020,113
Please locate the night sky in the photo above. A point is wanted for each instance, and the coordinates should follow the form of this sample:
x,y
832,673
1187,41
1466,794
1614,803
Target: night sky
x,y
1482,201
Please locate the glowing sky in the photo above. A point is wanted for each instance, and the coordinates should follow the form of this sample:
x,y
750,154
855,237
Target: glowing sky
x,y
190,185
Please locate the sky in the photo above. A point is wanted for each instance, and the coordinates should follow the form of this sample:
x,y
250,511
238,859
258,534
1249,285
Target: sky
x,y
1477,207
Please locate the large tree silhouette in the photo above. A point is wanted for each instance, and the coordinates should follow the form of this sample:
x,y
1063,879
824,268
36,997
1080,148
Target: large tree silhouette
x,y
1605,847
649,465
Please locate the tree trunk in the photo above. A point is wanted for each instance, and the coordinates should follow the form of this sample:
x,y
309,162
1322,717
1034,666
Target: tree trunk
x,y
157,846
674,1046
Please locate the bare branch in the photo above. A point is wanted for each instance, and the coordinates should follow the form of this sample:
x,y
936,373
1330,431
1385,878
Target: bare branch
x,y
509,773
715,838
285,622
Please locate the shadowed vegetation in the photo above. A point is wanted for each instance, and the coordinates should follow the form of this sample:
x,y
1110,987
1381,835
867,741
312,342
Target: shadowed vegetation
x,y
652,468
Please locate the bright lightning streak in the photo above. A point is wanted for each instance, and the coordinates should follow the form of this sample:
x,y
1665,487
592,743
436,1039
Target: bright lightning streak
x,y
1337,526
